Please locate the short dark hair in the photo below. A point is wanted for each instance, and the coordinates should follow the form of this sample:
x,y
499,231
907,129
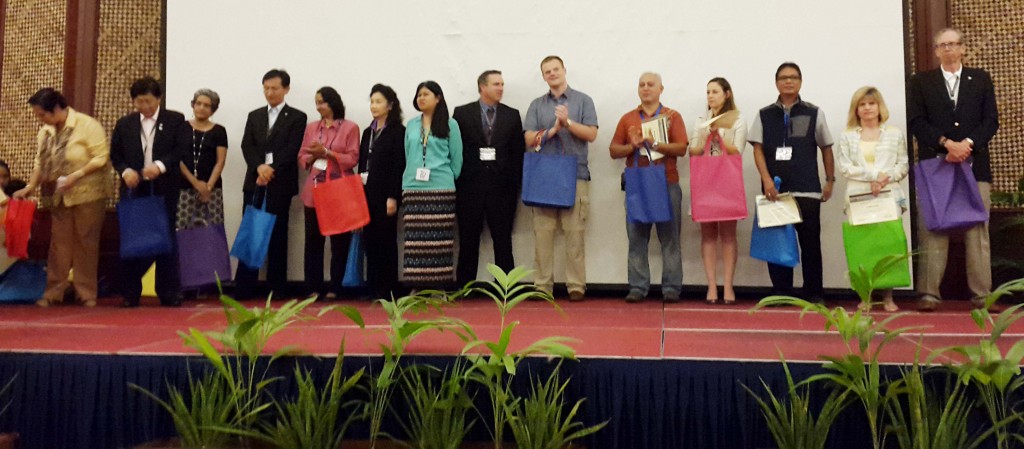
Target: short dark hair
x,y
395,114
333,100
49,99
439,122
481,80
552,57
286,80
146,85
791,65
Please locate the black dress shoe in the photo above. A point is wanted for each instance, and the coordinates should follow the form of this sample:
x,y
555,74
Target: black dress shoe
x,y
129,303
171,302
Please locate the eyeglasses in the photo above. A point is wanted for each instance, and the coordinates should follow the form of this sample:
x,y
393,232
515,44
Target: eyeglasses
x,y
948,45
788,78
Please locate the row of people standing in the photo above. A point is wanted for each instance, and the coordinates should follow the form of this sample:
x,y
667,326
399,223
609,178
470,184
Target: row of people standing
x,y
478,153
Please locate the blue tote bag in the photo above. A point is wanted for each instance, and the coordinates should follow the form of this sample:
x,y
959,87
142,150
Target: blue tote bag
x,y
647,199
776,245
549,180
354,264
24,281
253,239
145,230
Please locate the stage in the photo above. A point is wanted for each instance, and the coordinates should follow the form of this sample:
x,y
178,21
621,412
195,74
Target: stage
x,y
665,375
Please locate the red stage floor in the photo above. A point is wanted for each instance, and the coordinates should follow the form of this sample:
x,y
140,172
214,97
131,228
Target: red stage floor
x,y
603,328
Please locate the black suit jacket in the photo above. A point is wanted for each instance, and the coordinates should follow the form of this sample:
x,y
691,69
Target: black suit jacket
x,y
506,138
283,141
169,144
932,115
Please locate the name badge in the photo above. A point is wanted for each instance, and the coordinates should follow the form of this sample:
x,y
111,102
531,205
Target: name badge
x,y
320,164
784,153
364,176
423,174
488,154
268,159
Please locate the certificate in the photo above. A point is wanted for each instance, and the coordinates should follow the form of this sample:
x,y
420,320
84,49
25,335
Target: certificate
x,y
656,129
781,212
866,208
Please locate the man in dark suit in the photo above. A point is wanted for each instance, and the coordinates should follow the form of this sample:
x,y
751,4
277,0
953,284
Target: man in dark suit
x,y
488,188
952,114
145,148
273,135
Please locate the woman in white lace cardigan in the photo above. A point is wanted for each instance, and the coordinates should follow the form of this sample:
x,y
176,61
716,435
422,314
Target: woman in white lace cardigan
x,y
873,155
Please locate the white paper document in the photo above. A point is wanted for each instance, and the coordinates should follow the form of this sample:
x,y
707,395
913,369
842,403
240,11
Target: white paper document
x,y
782,212
867,208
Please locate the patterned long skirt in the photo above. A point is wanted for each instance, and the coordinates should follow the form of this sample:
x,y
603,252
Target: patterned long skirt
x,y
194,213
429,238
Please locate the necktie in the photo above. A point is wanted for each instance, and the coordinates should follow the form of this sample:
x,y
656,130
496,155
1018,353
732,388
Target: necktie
x,y
489,126
272,118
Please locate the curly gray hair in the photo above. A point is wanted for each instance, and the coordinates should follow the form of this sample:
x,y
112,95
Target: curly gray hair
x,y
208,93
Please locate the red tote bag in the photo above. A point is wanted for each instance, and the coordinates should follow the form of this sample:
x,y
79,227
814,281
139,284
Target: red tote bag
x,y
18,227
716,185
340,205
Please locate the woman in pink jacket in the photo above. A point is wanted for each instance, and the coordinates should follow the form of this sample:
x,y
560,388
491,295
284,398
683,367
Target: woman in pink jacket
x,y
330,149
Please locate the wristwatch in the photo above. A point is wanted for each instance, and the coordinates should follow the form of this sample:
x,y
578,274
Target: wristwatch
x,y
568,122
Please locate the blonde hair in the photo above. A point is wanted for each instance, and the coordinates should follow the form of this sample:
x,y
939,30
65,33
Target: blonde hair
x,y
853,120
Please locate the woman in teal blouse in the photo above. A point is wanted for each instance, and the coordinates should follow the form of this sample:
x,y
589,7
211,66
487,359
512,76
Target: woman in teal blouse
x,y
433,154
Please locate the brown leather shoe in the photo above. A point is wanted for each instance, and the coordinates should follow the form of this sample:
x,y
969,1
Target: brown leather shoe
x,y
575,295
928,303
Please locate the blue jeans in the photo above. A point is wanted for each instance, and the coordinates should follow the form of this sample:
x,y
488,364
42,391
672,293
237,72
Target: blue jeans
x,y
639,235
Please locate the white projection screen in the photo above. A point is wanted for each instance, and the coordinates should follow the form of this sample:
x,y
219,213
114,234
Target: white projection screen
x,y
227,45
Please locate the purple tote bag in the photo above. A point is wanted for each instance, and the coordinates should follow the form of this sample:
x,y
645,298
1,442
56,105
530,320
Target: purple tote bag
x,y
948,195
203,254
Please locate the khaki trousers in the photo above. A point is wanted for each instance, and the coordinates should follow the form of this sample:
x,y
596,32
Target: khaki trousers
x,y
74,244
573,223
934,247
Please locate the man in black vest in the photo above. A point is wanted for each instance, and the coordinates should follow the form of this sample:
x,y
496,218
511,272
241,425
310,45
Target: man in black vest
x,y
488,188
786,137
952,114
270,144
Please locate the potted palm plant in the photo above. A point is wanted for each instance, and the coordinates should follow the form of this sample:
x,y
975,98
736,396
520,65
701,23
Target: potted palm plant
x,y
540,419
228,399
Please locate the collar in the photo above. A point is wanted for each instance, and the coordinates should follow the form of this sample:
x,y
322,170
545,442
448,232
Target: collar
x,y
69,123
334,123
881,128
155,117
640,108
565,94
279,107
778,102
484,106
950,75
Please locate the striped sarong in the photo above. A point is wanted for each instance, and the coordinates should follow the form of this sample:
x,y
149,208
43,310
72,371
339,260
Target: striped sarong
x,y
429,238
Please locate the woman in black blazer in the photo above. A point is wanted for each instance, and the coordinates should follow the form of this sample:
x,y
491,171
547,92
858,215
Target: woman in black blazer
x,y
381,163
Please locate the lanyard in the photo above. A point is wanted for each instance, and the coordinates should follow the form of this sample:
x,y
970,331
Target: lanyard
x,y
787,125
656,113
147,141
489,121
374,135
321,138
424,135
954,90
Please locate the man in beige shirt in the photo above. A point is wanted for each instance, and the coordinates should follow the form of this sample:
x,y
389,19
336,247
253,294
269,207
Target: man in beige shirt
x,y
73,168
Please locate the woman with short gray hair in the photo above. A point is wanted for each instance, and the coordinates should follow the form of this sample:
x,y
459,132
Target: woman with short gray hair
x,y
201,199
